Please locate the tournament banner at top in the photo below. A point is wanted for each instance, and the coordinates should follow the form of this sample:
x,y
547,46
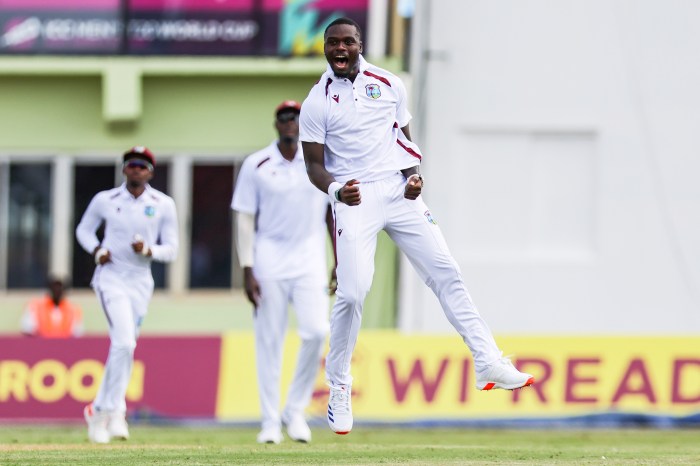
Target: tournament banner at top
x,y
171,27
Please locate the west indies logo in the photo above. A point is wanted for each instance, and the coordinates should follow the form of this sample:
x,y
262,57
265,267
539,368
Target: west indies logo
x,y
373,91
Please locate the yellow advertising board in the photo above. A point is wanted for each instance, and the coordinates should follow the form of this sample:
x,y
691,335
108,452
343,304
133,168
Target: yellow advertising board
x,y
399,377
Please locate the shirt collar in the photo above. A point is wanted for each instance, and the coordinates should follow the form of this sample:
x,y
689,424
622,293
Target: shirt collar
x,y
124,191
280,158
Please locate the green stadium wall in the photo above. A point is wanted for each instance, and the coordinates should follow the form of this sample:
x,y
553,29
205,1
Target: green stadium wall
x,y
200,107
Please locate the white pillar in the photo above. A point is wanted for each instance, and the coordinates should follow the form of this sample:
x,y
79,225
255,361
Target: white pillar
x,y
376,29
61,241
181,183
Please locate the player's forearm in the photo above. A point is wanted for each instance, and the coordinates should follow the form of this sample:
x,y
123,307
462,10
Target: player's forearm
x,y
319,176
315,165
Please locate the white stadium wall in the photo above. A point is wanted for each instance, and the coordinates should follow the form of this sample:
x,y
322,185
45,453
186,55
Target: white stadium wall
x,y
562,143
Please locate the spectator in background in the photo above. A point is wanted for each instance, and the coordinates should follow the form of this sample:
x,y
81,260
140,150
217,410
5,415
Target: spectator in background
x,y
282,249
140,227
53,315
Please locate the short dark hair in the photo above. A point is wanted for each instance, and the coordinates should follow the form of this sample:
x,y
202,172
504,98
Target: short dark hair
x,y
343,20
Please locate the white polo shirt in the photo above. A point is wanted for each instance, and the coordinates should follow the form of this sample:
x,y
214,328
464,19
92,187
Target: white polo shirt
x,y
151,215
359,124
290,237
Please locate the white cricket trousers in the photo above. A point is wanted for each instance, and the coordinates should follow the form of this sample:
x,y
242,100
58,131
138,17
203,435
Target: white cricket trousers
x,y
124,296
308,295
412,228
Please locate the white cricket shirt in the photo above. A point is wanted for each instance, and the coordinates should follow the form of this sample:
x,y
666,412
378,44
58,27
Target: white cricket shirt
x,y
359,124
151,215
290,235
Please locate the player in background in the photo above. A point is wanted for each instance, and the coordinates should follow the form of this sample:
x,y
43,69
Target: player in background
x,y
356,140
140,227
53,315
281,242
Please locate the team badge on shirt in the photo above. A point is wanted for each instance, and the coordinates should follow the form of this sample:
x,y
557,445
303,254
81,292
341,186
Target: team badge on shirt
x,y
150,211
430,217
373,91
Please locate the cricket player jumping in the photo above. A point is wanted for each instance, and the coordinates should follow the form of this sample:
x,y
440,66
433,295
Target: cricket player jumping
x,y
354,131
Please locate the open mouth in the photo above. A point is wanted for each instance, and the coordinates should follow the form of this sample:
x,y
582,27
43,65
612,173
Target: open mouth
x,y
340,62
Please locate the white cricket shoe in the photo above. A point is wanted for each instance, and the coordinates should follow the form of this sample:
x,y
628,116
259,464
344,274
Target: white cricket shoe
x,y
97,424
297,428
117,426
502,374
340,410
270,435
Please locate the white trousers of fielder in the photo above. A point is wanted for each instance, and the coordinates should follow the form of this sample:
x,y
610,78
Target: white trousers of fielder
x,y
124,296
410,226
309,297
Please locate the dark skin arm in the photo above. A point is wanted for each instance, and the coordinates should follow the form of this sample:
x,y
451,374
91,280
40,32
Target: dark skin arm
x,y
350,192
105,258
319,176
251,286
138,246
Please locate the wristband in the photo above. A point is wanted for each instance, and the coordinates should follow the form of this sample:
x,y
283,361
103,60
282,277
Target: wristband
x,y
334,191
98,255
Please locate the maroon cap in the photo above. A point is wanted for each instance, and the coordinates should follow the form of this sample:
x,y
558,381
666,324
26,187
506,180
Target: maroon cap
x,y
288,105
140,152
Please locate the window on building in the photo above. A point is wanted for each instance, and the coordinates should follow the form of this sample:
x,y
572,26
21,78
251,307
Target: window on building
x,y
89,180
210,254
29,225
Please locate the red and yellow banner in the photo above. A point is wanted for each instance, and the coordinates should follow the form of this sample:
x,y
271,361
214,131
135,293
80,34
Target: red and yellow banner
x,y
396,377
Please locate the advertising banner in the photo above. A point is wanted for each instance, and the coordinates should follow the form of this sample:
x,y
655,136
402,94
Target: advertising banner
x,y
397,378
421,378
55,378
164,27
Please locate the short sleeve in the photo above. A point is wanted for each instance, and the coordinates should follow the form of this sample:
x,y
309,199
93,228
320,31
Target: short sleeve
x,y
402,114
312,121
245,198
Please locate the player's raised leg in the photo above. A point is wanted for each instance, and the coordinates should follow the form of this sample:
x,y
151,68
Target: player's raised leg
x,y
417,234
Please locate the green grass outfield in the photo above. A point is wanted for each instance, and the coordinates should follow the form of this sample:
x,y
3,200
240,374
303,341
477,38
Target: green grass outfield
x,y
67,445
